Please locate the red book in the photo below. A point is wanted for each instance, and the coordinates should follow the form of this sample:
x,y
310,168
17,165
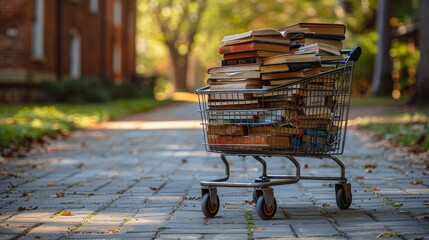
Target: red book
x,y
253,46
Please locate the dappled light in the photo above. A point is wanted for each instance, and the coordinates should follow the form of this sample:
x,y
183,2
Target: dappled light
x,y
148,125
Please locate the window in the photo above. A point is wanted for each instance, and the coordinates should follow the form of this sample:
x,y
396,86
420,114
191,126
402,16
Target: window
x,y
37,34
93,6
117,60
117,13
75,54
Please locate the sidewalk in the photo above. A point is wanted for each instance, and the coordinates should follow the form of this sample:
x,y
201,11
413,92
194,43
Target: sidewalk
x,y
139,178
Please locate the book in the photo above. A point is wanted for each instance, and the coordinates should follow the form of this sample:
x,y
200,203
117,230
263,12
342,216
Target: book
x,y
228,56
275,131
322,28
320,49
253,46
250,106
292,67
234,86
299,36
239,61
287,74
227,130
253,140
338,44
289,58
231,102
230,96
235,75
263,39
294,89
234,68
255,32
256,81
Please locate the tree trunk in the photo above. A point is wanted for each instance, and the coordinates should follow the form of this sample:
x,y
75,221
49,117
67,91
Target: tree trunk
x,y
382,84
421,97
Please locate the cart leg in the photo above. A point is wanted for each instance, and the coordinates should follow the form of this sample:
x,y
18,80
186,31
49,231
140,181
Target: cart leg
x,y
343,178
264,177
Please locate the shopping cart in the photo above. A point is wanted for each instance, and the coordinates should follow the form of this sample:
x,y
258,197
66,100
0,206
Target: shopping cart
x,y
305,118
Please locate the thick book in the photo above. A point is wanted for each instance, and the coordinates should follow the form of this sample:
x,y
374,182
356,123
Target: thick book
x,y
292,67
287,74
321,28
255,32
275,131
299,36
234,68
242,61
333,43
253,46
234,86
254,141
250,54
227,130
248,81
289,58
230,96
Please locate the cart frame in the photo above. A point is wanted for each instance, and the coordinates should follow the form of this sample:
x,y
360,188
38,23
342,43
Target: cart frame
x,y
263,192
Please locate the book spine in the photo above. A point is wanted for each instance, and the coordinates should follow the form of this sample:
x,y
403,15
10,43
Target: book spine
x,y
237,48
240,61
298,66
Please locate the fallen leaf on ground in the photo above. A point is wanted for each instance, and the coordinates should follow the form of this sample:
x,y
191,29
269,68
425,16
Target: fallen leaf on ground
x,y
375,189
368,170
360,177
417,182
231,207
57,195
51,184
387,235
397,204
250,202
154,188
184,160
62,213
426,203
27,208
370,166
114,230
326,204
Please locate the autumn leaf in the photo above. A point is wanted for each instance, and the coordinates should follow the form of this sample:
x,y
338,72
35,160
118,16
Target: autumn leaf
x,y
154,188
417,182
62,213
397,204
51,184
326,204
114,230
231,207
21,209
375,189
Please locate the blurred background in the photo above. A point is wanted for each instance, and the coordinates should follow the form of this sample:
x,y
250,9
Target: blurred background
x,y
124,48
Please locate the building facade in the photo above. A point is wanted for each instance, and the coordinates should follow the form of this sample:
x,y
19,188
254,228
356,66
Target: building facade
x,y
55,40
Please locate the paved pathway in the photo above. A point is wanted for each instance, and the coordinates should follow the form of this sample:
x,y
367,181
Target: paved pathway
x,y
139,178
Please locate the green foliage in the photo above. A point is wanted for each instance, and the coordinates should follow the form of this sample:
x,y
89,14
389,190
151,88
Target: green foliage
x,y
125,90
76,91
21,125
410,129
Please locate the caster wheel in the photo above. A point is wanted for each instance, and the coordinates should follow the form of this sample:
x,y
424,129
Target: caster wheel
x,y
343,202
264,212
210,210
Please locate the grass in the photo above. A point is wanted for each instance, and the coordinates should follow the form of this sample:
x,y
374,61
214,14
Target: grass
x,y
24,124
407,129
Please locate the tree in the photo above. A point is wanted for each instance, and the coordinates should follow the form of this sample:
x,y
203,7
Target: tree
x,y
382,84
178,21
421,97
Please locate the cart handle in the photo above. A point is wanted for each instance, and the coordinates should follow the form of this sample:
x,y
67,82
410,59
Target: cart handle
x,y
353,54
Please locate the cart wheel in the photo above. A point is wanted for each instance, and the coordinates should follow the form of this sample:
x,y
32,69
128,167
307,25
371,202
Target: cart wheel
x,y
342,201
262,209
208,209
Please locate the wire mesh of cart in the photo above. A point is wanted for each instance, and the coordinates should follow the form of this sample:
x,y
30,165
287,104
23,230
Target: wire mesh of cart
x,y
304,118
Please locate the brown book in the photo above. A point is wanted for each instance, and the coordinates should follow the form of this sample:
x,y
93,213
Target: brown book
x,y
227,130
248,106
254,141
230,96
290,58
244,81
250,54
322,28
275,131
253,46
292,67
287,74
